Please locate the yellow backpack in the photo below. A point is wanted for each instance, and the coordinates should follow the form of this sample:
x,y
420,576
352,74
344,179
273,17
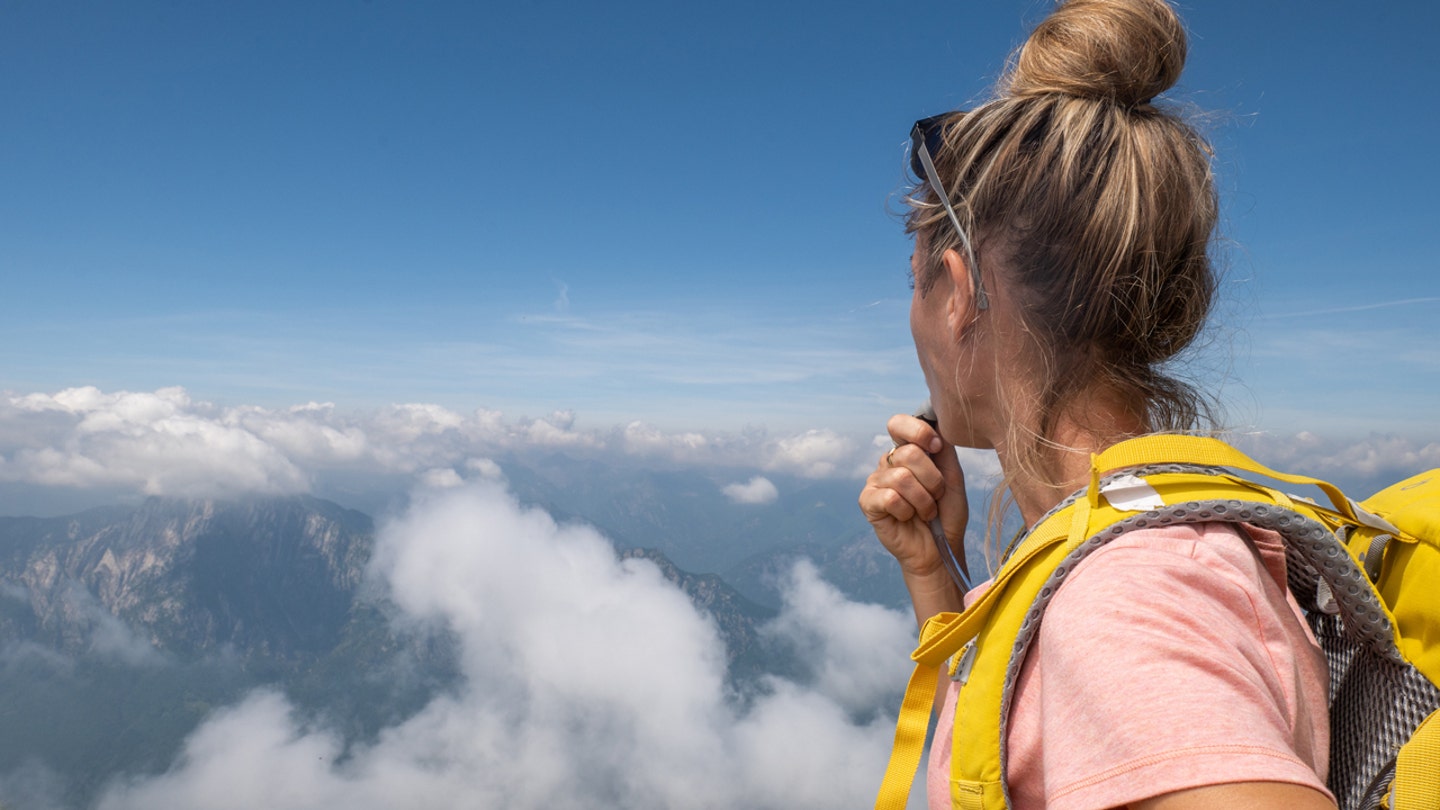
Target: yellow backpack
x,y
1367,575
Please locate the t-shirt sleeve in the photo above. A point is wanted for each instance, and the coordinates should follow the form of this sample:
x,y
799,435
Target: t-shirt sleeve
x,y
1163,665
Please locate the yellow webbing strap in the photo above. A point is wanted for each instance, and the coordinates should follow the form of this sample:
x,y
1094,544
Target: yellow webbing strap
x,y
1202,450
1417,768
910,730
941,637
975,768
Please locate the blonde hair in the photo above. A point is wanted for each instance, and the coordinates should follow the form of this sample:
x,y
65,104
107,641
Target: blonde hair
x,y
1094,208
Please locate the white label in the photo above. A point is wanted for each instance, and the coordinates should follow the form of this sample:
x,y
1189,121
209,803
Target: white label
x,y
965,664
1373,520
1130,493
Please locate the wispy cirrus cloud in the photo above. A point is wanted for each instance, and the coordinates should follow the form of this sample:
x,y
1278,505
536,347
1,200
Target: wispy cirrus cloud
x,y
1344,371
1342,310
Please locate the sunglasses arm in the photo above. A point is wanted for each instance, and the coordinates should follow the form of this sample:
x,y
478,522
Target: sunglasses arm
x,y
982,301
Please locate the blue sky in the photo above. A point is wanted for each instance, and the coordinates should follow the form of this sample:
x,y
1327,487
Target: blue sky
x,y
675,213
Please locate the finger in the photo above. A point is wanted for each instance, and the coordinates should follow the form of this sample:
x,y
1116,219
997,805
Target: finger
x,y
903,482
907,429
919,463
880,503
898,528
954,503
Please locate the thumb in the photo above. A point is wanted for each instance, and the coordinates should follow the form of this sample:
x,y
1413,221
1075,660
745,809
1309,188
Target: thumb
x,y
954,504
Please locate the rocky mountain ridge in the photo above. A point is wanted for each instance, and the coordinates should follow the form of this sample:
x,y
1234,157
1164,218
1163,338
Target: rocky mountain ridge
x,y
274,577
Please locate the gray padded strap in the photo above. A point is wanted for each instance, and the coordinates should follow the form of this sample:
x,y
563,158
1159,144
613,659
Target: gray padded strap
x,y
1375,555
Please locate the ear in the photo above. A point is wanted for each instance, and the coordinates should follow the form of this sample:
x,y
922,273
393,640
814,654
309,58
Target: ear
x,y
961,310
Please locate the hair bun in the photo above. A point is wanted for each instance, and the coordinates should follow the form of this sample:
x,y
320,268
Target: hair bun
x,y
1125,51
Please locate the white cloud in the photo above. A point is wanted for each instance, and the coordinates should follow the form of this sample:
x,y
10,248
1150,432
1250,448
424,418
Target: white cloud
x,y
588,683
813,454
857,652
108,636
441,478
756,490
307,432
1375,459
158,443
555,431
165,443
485,468
413,420
639,438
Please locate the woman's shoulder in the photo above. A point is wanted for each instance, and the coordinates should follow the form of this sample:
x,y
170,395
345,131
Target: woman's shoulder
x,y
1207,583
1227,554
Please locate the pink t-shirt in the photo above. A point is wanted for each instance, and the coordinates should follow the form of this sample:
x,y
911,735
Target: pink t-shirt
x,y
1171,658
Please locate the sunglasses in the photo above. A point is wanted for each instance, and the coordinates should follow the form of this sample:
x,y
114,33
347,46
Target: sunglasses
x,y
926,137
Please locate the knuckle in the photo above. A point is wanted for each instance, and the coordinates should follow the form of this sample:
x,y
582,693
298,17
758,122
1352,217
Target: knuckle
x,y
895,504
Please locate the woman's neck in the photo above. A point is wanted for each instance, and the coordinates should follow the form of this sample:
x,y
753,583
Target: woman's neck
x,y
1062,465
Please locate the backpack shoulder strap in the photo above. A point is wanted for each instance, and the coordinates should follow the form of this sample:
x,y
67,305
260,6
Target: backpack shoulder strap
x,y
998,626
1417,769
990,626
1379,692
1172,495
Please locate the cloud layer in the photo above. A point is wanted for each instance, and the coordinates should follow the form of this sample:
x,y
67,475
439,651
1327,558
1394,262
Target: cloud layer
x,y
588,683
164,442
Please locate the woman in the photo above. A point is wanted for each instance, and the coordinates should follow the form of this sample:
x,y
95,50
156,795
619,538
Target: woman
x,y
1061,257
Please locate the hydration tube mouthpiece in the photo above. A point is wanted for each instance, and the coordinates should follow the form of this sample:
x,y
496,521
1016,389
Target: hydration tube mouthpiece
x,y
926,414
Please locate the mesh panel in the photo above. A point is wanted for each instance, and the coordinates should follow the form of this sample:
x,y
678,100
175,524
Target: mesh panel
x,y
1339,651
1379,705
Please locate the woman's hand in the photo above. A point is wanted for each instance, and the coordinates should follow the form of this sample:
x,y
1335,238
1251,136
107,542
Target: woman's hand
x,y
911,485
